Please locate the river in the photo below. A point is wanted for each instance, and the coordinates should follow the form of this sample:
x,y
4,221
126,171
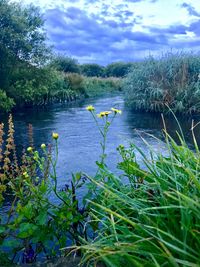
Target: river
x,y
79,138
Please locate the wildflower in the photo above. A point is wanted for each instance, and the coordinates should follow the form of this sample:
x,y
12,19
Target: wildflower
x,y
107,113
103,113
29,149
25,174
55,136
115,110
90,108
43,146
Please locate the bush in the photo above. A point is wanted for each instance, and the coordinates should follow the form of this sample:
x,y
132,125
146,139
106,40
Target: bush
x,y
92,70
172,80
65,64
6,103
75,82
118,69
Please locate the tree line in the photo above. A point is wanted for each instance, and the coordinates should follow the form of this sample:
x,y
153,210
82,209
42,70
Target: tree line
x,y
67,64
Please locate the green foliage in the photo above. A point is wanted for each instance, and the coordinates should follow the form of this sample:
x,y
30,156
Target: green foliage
x,y
172,80
92,70
6,103
65,64
32,218
21,38
75,82
118,69
98,86
28,77
153,220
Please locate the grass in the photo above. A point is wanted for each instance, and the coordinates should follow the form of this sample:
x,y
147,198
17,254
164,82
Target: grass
x,y
172,80
153,220
95,86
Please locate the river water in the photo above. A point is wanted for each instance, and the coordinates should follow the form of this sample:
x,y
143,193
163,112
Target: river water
x,y
79,139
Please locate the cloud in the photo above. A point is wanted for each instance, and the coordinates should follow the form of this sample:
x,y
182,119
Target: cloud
x,y
108,33
195,28
171,30
74,32
190,9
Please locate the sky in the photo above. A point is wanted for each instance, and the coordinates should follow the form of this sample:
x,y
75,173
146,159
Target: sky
x,y
105,31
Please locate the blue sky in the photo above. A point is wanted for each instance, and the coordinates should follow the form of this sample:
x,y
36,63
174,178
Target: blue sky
x,y
103,31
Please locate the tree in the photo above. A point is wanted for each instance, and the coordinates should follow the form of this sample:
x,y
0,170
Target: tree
x,y
92,70
22,39
65,64
118,69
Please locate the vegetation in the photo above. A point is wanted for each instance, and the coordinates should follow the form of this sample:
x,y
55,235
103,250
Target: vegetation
x,y
95,86
152,220
65,64
33,225
171,81
118,69
30,74
92,70
22,46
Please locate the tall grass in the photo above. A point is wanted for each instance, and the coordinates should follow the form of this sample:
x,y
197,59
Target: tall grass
x,y
154,220
172,80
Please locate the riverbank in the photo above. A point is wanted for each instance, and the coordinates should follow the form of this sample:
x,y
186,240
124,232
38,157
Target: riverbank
x,y
62,88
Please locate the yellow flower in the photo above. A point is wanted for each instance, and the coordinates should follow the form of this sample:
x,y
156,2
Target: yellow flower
x,y
103,113
29,149
90,108
25,174
107,113
55,136
115,110
43,146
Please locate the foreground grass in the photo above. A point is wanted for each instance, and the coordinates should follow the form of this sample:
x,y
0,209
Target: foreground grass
x,y
153,220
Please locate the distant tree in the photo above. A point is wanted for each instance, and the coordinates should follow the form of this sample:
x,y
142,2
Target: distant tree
x,y
118,69
65,64
92,70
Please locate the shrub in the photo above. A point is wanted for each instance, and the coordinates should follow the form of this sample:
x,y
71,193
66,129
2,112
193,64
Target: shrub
x,y
75,83
118,69
65,64
6,103
92,70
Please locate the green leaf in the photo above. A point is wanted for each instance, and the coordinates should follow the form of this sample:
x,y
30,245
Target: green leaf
x,y
2,229
27,230
10,243
42,218
43,187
